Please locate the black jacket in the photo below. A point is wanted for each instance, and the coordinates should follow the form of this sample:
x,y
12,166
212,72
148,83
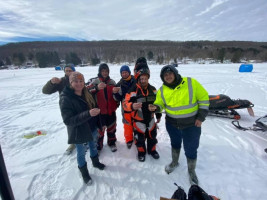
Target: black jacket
x,y
135,95
124,88
76,116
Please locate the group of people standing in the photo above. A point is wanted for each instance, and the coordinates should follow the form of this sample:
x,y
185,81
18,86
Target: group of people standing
x,y
89,108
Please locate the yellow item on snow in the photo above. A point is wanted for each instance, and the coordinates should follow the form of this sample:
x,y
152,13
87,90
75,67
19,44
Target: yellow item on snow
x,y
34,134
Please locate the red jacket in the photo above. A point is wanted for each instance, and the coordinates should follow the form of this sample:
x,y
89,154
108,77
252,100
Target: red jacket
x,y
104,98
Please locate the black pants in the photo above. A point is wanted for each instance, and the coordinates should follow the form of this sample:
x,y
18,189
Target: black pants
x,y
110,121
140,140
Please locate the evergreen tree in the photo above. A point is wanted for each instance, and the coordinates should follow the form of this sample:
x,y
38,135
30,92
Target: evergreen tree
x,y
47,59
95,61
8,61
160,60
150,55
236,57
221,55
21,58
2,63
73,58
42,60
30,56
67,58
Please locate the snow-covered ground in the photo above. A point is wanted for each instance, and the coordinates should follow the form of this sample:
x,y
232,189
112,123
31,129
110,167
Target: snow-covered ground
x,y
231,163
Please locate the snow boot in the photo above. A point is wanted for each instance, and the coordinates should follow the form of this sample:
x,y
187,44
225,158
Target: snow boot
x,y
175,157
85,174
154,154
141,156
191,164
129,144
113,148
96,163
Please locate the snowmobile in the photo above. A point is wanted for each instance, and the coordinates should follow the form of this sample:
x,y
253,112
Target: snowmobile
x,y
223,106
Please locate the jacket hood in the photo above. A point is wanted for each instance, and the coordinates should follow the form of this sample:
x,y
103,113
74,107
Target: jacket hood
x,y
178,78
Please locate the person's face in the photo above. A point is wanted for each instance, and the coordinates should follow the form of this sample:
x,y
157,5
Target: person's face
x,y
104,73
169,77
68,71
124,74
77,85
143,80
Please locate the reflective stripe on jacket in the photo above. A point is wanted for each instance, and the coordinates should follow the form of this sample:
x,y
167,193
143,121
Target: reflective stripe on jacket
x,y
183,101
142,118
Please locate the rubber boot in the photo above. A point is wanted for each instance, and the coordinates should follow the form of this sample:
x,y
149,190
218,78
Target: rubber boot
x,y
175,157
96,163
85,174
191,164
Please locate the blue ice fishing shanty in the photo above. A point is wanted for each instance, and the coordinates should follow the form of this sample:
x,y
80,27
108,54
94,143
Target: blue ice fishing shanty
x,y
58,68
246,68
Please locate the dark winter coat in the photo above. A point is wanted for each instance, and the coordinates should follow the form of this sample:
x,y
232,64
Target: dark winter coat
x,y
75,113
124,88
50,88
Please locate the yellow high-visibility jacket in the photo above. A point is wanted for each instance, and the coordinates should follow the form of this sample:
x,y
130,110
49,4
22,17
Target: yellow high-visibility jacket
x,y
185,103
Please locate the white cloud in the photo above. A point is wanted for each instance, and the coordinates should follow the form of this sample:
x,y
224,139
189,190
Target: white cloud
x,y
212,6
134,19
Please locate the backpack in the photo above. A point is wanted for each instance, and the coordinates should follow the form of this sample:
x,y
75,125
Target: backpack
x,y
179,193
195,192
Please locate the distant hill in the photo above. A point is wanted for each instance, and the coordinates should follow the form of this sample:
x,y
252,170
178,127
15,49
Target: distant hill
x,y
119,51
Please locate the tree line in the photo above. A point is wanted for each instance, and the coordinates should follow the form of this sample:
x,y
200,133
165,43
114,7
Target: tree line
x,y
48,54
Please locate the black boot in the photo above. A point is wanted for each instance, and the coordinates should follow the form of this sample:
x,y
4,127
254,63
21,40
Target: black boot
x,y
154,154
141,156
85,174
129,144
96,163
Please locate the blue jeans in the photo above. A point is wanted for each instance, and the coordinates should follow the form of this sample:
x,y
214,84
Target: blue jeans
x,y
189,136
82,148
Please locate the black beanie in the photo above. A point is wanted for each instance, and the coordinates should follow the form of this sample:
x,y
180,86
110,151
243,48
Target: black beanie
x,y
103,66
140,60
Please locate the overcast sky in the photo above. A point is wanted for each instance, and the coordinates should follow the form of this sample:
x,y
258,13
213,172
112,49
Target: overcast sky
x,y
177,20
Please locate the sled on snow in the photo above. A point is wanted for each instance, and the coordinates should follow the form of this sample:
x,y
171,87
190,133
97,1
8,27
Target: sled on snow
x,y
223,106
260,125
34,134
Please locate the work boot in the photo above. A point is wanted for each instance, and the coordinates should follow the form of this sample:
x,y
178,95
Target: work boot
x,y
175,157
191,164
96,163
85,174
